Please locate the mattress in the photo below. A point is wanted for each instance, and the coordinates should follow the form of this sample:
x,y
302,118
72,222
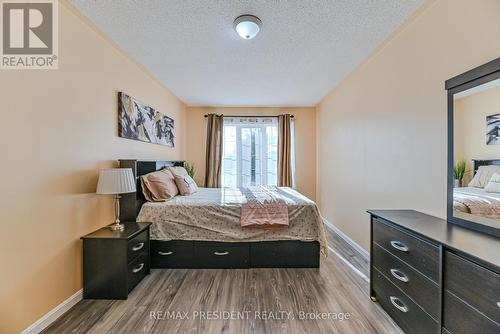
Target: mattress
x,y
213,214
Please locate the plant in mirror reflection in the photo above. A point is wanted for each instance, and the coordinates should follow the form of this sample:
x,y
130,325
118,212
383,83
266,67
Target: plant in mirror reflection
x,y
459,170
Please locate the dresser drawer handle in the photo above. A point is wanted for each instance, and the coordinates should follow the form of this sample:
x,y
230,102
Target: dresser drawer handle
x,y
399,304
498,304
165,253
221,253
399,275
138,246
399,246
138,268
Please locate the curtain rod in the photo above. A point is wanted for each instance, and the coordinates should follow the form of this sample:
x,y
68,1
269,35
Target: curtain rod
x,y
206,115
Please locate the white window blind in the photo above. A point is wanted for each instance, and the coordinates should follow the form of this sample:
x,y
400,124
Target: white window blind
x,y
250,151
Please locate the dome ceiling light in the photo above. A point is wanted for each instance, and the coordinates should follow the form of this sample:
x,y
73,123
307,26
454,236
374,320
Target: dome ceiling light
x,y
247,26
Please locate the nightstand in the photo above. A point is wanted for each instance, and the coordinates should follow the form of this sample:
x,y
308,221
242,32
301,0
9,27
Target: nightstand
x,y
114,262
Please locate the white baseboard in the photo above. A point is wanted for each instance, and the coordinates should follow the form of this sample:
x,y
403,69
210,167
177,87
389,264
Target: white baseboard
x,y
351,242
53,314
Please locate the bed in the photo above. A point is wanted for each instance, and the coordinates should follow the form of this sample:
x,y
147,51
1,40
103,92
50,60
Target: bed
x,y
476,201
203,231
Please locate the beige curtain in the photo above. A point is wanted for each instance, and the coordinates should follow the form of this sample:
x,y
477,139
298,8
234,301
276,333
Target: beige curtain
x,y
213,159
284,151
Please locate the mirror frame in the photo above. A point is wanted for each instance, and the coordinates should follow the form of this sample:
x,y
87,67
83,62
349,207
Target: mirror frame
x,y
475,77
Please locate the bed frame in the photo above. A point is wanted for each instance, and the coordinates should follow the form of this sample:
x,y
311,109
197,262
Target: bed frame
x,y
479,163
213,254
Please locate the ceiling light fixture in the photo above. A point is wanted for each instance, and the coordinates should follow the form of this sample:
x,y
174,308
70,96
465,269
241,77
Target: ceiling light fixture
x,y
247,26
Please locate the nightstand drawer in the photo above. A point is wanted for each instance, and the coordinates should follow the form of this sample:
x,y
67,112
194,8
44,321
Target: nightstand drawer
x,y
212,255
136,271
420,288
139,245
476,285
418,253
171,254
408,315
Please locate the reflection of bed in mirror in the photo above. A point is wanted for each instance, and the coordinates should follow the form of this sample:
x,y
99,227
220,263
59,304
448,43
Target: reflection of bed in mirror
x,y
476,201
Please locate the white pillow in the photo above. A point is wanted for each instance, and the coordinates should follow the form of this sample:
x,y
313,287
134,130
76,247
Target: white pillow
x,y
483,176
494,185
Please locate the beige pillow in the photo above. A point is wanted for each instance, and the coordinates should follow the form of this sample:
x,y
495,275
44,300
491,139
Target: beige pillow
x,y
159,186
186,184
483,176
178,170
494,185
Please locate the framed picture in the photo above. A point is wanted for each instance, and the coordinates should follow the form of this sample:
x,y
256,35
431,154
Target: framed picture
x,y
140,122
493,129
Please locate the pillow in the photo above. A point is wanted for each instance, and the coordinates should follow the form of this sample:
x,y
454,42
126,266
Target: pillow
x,y
494,185
483,176
159,186
186,184
178,170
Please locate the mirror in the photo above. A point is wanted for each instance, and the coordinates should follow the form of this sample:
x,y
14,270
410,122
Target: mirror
x,y
474,146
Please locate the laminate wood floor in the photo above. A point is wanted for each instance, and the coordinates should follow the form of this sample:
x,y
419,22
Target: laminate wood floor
x,y
173,301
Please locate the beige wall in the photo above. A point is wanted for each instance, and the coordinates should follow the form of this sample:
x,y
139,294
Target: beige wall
x,y
470,127
382,131
58,128
305,127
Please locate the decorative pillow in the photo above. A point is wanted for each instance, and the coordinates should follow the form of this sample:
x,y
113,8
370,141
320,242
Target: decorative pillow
x,y
186,184
483,176
494,185
159,186
178,170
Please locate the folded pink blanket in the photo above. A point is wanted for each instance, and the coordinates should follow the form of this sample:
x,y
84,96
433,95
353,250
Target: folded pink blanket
x,y
484,205
264,208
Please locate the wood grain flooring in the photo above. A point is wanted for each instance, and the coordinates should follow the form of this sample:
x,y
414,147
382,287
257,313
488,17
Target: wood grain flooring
x,y
163,300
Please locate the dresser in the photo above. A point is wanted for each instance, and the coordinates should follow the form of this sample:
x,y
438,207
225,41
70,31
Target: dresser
x,y
434,277
114,262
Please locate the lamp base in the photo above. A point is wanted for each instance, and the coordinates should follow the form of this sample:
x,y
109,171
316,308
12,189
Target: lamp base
x,y
117,227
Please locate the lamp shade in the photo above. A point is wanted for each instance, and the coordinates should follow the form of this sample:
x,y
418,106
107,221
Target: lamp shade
x,y
115,181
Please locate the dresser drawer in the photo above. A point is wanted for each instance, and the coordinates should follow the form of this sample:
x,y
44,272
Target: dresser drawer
x,y
476,285
172,254
136,271
418,253
408,315
215,255
139,245
459,318
420,288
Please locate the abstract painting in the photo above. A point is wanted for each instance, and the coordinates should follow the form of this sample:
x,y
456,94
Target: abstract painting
x,y
493,129
140,122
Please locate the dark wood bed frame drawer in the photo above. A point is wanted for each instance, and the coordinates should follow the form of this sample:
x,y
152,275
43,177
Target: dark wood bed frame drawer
x,y
420,288
408,315
172,254
459,318
139,245
416,252
294,254
476,285
221,255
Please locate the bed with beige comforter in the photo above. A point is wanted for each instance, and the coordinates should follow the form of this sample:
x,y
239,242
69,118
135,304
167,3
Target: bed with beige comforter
x,y
214,214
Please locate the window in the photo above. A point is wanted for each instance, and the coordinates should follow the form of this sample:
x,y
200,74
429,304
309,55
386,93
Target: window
x,y
250,151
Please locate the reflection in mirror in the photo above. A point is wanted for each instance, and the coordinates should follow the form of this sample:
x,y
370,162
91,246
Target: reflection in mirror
x,y
476,193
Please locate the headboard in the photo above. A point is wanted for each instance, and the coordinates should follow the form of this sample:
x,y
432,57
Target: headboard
x,y
478,163
130,204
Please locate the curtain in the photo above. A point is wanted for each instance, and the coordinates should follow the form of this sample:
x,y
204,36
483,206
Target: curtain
x,y
284,151
214,151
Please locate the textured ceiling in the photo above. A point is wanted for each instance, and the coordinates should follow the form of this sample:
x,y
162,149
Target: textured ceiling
x,y
304,49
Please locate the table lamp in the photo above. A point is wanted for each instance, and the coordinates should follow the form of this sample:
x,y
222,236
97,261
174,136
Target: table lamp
x,y
116,181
